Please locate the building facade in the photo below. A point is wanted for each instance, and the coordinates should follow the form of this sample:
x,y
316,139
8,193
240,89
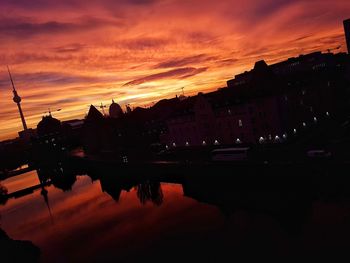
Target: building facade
x,y
267,104
347,33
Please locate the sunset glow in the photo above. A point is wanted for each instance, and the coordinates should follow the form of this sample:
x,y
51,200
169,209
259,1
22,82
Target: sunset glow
x,y
72,53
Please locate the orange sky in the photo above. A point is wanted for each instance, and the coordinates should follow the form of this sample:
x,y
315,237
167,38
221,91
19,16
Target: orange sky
x,y
69,54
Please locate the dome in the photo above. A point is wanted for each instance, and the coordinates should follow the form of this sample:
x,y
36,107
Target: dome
x,y
48,125
115,111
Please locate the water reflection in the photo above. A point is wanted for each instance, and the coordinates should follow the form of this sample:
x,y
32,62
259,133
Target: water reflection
x,y
61,177
3,193
150,191
203,217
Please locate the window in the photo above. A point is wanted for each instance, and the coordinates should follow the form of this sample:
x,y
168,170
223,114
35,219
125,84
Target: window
x,y
240,123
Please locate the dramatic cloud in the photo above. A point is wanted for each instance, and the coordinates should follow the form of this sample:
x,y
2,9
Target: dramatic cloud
x,y
180,62
72,53
180,73
21,28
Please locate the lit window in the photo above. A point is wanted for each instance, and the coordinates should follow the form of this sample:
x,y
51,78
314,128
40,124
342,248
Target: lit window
x,y
125,159
240,123
294,131
187,144
204,143
216,142
284,136
238,141
304,124
327,113
315,119
174,144
261,140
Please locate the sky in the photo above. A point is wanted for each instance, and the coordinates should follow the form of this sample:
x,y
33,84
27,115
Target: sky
x,y
69,54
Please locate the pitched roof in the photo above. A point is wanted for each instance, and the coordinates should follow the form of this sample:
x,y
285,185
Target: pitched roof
x,y
94,114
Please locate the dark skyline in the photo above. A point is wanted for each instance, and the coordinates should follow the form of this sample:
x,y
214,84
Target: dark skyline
x,y
71,54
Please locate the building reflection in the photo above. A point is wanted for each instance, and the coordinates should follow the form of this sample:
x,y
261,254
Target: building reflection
x,y
287,198
150,191
3,194
61,177
290,207
112,183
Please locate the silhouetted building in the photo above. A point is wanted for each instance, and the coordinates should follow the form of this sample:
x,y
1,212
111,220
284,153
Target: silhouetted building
x,y
128,109
72,131
48,126
95,132
347,33
267,104
115,111
13,153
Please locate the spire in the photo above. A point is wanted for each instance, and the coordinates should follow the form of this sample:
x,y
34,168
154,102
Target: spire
x,y
44,193
102,106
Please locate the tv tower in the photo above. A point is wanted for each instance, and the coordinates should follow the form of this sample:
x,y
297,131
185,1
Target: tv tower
x,y
17,99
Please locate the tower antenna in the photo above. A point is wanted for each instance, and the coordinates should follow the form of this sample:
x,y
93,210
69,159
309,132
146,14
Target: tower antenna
x,y
13,85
